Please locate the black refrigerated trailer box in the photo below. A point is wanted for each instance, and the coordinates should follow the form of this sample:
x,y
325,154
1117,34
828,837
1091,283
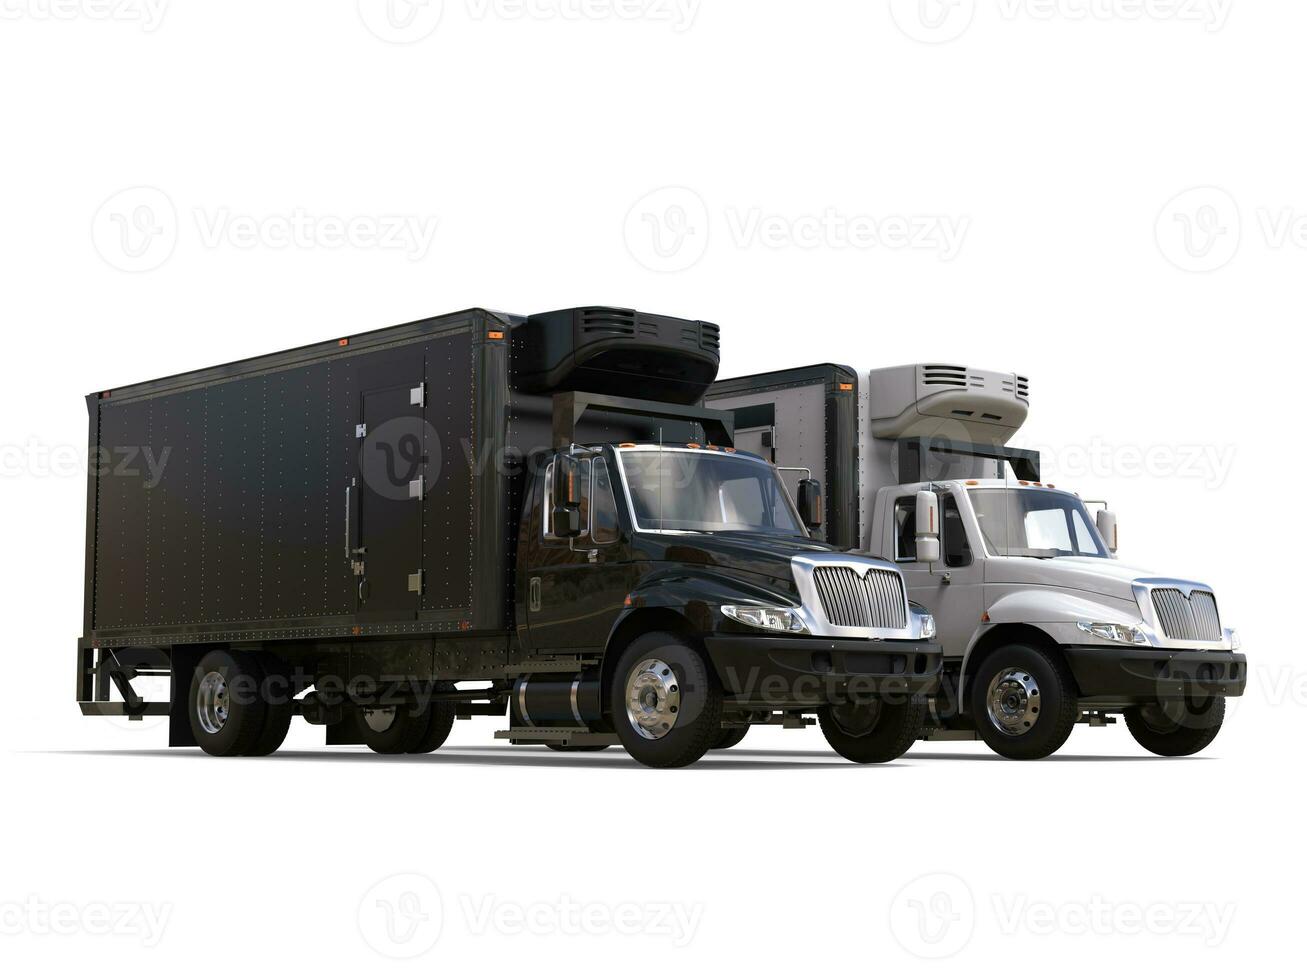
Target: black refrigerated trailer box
x,y
367,486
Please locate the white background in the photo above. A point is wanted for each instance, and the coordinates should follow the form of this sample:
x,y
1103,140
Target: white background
x,y
153,157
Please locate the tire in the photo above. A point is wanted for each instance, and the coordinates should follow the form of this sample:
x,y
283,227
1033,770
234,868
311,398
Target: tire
x,y
666,704
392,729
1177,728
877,731
226,712
1035,717
439,722
730,737
274,688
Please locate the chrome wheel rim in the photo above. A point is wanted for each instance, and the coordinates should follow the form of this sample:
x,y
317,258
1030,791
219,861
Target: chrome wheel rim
x,y
1013,700
653,698
857,720
211,702
379,719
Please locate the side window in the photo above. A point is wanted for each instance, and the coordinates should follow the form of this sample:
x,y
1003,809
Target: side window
x,y
603,508
954,544
905,529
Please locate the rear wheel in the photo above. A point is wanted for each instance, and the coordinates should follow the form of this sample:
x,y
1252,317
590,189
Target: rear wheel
x,y
392,729
666,705
227,712
1023,702
278,699
439,722
873,731
1176,728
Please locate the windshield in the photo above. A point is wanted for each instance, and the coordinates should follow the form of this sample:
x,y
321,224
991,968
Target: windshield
x,y
674,490
1035,524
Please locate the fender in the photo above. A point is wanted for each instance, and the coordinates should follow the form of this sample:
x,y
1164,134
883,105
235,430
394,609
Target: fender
x,y
1051,610
695,595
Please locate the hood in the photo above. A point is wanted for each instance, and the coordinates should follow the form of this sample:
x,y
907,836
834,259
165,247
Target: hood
x,y
1104,576
757,554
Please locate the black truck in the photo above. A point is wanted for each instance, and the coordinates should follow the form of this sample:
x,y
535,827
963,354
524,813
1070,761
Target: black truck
x,y
479,514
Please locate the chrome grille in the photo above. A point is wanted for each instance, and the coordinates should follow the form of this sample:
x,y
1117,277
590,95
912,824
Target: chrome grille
x,y
874,600
1194,618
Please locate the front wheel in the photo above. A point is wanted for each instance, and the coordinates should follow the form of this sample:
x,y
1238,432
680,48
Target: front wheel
x,y
666,705
873,731
1023,702
1176,728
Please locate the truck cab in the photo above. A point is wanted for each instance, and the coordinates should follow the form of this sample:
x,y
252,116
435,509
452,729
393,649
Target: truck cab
x,y
1041,625
689,582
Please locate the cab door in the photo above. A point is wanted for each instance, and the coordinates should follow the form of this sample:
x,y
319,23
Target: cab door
x,y
576,587
952,589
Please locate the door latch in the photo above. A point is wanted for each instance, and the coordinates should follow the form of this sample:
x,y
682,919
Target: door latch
x,y
535,595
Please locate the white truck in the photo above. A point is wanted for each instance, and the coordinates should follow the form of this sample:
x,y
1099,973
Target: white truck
x,y
1041,626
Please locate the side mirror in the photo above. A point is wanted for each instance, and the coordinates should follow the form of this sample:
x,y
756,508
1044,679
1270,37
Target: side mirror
x,y
565,519
811,506
927,530
1106,522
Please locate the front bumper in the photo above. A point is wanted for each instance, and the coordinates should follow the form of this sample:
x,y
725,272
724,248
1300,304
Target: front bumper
x,y
1155,673
788,672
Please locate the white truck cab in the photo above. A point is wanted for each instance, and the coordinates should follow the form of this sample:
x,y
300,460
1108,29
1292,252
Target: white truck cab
x,y
1041,625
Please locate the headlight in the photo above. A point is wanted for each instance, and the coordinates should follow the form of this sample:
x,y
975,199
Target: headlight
x,y
927,626
782,619
1116,632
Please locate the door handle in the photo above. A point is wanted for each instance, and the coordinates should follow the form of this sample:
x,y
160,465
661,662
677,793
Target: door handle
x,y
349,506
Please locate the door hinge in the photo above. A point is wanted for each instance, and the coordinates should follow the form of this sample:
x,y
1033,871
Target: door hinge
x,y
361,430
415,582
418,396
415,488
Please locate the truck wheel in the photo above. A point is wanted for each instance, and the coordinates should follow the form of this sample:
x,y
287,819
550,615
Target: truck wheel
x,y
227,713
274,689
439,717
1023,702
666,706
731,737
873,731
392,729
1175,728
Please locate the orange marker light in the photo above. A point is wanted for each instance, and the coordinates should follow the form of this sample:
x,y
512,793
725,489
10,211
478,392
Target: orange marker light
x,y
343,342
626,445
627,601
844,386
495,335
693,445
